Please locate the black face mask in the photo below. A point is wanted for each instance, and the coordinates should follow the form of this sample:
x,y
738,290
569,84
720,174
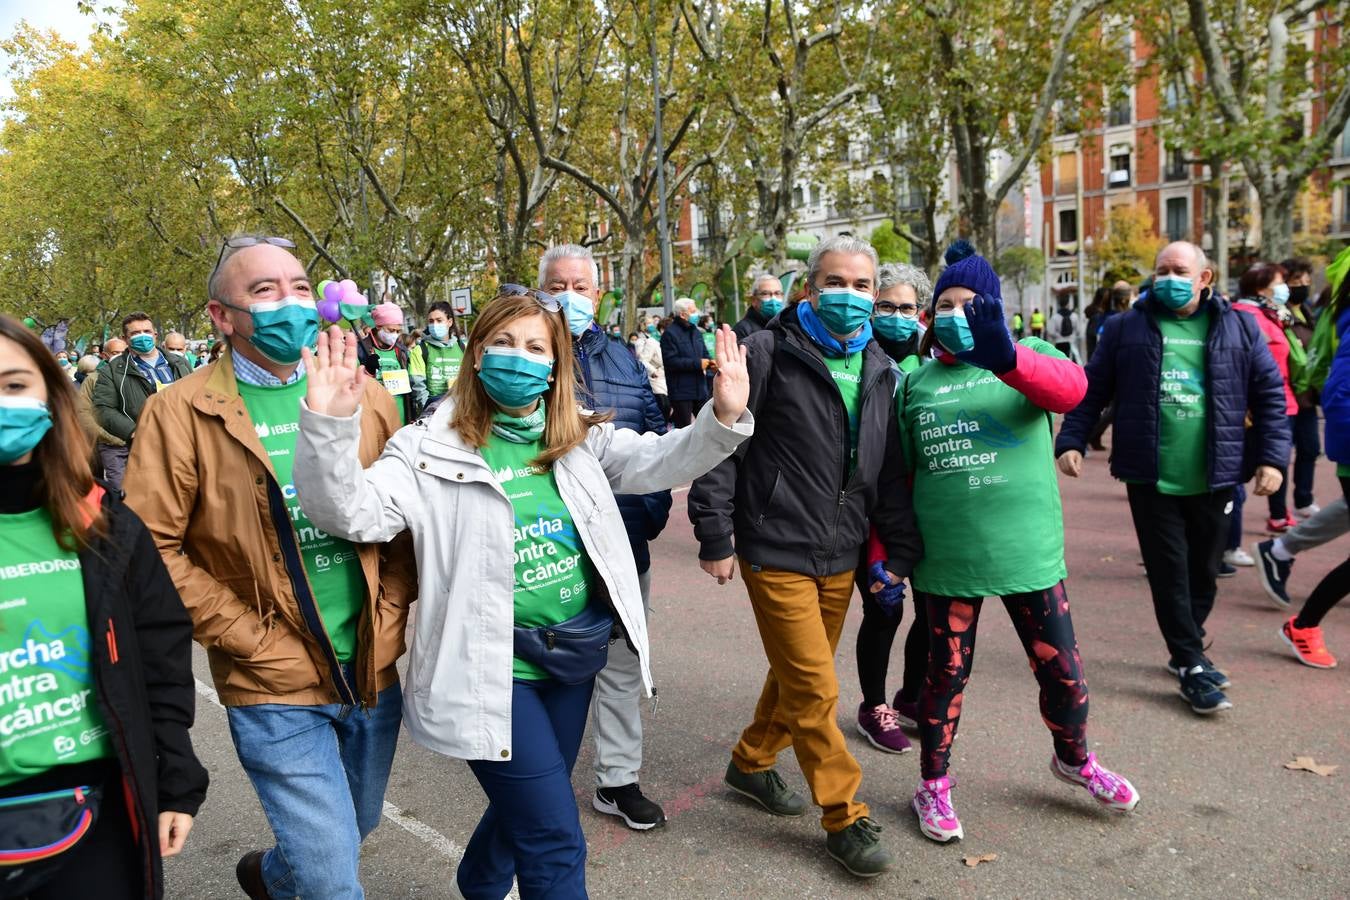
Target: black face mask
x,y
1298,293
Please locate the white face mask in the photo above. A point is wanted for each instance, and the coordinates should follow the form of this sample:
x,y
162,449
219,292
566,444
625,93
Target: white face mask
x,y
388,338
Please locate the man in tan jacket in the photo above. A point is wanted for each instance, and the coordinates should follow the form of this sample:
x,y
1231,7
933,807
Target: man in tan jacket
x,y
302,629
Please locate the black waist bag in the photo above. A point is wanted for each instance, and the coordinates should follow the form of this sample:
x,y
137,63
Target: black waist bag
x,y
570,652
37,830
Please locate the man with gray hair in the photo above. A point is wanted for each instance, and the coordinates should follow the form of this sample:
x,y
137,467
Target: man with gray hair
x,y
612,380
792,506
766,301
1185,371
687,360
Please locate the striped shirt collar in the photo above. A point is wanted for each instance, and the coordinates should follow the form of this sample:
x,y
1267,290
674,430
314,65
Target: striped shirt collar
x,y
251,373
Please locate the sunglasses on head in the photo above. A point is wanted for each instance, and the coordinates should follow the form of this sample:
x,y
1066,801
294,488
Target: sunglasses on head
x,y
547,302
239,243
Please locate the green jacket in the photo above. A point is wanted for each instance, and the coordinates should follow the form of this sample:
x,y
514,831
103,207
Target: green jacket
x,y
121,392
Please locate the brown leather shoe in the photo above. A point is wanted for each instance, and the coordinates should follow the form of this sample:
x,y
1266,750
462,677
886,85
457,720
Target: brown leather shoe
x,y
248,871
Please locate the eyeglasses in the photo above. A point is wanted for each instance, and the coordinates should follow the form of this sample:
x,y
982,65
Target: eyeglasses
x,y
886,309
239,243
547,302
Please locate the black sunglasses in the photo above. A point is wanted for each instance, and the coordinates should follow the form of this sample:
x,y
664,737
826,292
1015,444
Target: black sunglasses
x,y
239,243
547,302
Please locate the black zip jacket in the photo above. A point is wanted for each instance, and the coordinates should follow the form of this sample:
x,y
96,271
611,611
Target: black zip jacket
x,y
786,499
141,658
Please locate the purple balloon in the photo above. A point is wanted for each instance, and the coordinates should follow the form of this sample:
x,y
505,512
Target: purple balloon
x,y
329,309
332,291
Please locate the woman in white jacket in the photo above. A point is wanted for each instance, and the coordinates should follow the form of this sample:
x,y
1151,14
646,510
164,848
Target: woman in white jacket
x,y
508,491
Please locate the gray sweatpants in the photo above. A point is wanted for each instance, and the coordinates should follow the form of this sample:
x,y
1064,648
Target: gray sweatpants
x,y
617,710
1330,523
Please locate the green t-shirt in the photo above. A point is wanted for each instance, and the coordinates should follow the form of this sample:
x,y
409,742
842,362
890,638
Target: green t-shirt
x,y
389,363
552,571
49,712
847,374
985,491
442,366
1183,463
710,341
330,562
908,364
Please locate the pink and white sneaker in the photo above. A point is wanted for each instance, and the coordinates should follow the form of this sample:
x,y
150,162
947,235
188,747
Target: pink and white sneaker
x,y
1112,791
933,805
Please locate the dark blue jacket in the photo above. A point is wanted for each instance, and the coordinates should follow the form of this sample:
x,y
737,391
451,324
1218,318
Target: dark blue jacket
x,y
1240,377
1335,397
682,353
615,382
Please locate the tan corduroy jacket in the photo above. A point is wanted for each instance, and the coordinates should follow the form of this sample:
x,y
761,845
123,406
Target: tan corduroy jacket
x,y
199,478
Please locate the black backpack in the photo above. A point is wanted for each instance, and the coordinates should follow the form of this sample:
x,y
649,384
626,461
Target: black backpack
x,y
1065,323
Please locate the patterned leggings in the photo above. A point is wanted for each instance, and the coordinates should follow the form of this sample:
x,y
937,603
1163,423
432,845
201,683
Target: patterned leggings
x,y
1042,621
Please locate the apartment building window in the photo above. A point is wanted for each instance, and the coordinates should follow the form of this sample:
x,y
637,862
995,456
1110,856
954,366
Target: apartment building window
x,y
797,197
815,195
1066,173
1345,206
1175,169
593,231
1068,231
1118,175
1345,141
1120,111
1178,219
1172,96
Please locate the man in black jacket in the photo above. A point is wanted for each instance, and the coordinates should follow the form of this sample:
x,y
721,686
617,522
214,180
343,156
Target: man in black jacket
x,y
766,301
687,361
125,385
793,506
615,382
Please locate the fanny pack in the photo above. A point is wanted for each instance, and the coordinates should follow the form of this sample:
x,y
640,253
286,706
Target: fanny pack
x,y
572,651
36,830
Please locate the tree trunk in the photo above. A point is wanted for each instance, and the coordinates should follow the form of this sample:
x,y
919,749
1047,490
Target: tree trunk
x,y
1277,221
633,273
1216,196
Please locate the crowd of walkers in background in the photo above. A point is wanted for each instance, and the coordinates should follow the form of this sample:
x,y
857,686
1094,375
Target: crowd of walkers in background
x,y
284,494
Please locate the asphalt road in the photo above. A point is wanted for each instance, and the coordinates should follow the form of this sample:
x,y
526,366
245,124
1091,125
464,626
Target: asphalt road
x,y
1219,816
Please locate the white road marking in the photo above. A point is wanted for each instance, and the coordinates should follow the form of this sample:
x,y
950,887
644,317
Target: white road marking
x,y
421,830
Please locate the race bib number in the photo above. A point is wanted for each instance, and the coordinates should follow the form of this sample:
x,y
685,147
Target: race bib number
x,y
396,381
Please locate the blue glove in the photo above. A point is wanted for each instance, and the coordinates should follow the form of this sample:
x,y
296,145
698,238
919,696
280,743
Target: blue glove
x,y
994,349
888,598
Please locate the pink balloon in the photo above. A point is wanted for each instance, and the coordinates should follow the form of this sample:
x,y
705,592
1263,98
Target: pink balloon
x,y
329,308
350,292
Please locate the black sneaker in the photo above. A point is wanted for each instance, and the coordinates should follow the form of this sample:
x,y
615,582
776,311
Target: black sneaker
x,y
1217,676
627,802
858,849
1202,692
1274,573
1225,570
768,789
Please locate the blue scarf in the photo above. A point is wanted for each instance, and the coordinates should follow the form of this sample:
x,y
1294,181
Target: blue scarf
x,y
828,343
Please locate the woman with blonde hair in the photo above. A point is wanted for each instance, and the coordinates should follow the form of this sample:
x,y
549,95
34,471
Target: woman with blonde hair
x,y
525,570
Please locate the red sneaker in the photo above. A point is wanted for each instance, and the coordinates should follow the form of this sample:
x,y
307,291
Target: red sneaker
x,y
1307,645
1280,526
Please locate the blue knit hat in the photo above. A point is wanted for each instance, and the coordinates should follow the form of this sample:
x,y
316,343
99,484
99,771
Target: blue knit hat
x,y
967,269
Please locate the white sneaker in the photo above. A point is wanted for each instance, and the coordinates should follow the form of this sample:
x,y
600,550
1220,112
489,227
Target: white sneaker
x,y
1307,512
1238,557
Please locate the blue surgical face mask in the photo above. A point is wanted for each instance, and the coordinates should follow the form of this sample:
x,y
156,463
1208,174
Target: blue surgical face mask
x,y
1173,291
771,307
953,331
438,330
24,422
694,317
513,378
281,328
580,311
895,328
1280,294
141,343
843,310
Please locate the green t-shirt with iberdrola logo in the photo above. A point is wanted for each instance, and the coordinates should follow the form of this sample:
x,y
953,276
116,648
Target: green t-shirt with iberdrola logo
x,y
1183,460
847,374
388,362
552,571
330,562
985,491
49,712
443,364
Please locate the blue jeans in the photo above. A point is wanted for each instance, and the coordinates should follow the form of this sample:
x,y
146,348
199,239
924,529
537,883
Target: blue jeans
x,y
531,829
320,774
1235,522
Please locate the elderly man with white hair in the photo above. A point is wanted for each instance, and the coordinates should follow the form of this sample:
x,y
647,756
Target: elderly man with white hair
x,y
687,360
1187,373
613,381
792,506
766,301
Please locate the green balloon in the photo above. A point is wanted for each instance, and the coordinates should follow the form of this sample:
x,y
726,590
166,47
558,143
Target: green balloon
x,y
30,322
